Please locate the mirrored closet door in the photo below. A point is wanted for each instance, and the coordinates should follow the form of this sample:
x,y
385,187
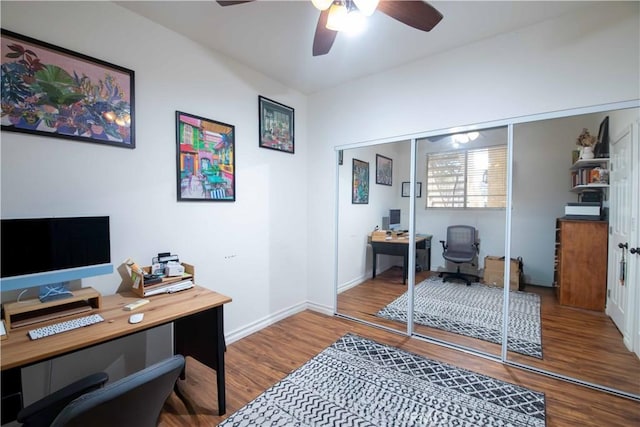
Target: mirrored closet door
x,y
565,265
462,208
370,199
587,330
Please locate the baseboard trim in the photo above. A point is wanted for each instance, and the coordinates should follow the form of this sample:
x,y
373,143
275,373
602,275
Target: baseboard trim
x,y
252,327
350,284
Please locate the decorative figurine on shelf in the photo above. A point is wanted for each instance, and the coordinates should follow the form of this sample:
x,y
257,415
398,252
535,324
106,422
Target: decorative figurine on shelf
x,y
586,141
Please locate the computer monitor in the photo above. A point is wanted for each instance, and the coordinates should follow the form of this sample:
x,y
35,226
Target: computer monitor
x,y
47,251
394,219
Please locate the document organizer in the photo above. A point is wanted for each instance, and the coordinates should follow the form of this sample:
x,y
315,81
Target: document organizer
x,y
138,287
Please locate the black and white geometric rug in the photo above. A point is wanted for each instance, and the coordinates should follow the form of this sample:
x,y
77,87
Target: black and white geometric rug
x,y
359,382
474,311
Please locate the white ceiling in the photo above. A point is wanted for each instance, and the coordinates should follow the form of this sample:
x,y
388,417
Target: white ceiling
x,y
275,37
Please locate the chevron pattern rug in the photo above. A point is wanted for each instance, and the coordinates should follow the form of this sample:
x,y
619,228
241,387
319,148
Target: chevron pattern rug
x,y
474,311
359,382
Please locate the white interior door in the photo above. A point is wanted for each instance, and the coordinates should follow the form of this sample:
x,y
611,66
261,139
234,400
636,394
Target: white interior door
x,y
634,264
620,231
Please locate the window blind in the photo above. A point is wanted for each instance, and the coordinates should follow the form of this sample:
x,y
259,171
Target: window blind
x,y
475,178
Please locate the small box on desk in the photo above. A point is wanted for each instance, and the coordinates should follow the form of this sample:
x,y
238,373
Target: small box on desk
x,y
494,272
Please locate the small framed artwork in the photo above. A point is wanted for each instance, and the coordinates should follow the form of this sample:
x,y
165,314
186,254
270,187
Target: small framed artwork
x,y
52,91
406,189
276,125
384,170
360,183
205,159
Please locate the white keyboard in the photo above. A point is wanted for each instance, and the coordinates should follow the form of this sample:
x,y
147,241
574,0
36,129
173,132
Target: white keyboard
x,y
65,326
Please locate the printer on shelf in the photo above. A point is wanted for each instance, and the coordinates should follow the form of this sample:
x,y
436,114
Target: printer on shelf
x,y
173,268
583,210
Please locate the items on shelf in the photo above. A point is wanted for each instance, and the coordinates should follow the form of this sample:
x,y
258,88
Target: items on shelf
x,y
159,263
583,210
589,174
148,283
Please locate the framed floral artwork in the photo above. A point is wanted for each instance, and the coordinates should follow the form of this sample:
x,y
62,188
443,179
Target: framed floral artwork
x,y
52,91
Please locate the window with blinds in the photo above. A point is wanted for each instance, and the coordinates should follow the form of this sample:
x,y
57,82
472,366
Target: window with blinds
x,y
475,178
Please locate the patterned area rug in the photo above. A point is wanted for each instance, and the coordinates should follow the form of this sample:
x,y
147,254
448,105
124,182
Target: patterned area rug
x,y
359,382
474,311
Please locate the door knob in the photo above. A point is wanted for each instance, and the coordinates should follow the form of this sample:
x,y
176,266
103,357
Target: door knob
x,y
635,251
623,245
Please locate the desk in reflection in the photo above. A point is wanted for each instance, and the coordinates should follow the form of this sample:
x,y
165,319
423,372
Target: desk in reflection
x,y
399,246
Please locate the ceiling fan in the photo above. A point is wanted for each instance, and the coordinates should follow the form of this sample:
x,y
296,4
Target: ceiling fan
x,y
333,13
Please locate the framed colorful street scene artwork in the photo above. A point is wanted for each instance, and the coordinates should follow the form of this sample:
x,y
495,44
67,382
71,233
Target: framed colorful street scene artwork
x,y
276,125
205,159
52,91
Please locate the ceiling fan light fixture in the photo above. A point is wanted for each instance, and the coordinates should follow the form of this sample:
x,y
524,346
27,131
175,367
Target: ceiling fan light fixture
x,y
337,18
354,23
367,7
322,4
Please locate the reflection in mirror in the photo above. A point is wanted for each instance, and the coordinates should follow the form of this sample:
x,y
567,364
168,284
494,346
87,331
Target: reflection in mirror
x,y
370,188
464,176
565,260
586,328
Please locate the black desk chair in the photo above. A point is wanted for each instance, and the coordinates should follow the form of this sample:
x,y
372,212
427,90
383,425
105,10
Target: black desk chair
x,y
133,401
461,247
42,412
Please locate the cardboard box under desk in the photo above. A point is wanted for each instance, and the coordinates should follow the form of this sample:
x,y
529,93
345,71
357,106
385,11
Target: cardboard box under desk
x,y
494,272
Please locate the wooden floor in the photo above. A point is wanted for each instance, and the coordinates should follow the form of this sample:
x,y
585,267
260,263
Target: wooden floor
x,y
258,361
578,343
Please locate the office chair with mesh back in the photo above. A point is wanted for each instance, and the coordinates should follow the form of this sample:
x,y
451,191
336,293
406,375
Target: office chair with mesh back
x,y
461,247
133,401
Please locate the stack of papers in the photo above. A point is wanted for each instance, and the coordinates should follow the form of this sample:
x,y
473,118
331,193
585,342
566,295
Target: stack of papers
x,y
169,288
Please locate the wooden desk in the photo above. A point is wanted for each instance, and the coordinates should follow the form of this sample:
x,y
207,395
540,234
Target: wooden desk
x,y
399,246
196,314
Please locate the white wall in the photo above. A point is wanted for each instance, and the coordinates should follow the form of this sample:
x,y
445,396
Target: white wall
x,y
579,60
253,250
137,188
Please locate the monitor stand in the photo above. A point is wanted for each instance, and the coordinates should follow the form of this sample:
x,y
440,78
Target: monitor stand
x,y
54,291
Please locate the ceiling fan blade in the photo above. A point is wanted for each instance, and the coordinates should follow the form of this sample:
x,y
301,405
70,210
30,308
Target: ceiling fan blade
x,y
415,13
233,3
323,40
